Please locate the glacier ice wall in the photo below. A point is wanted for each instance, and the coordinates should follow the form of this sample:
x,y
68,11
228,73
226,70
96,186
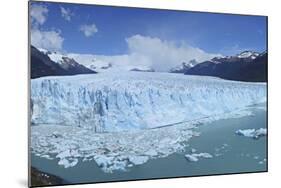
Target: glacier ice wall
x,y
109,102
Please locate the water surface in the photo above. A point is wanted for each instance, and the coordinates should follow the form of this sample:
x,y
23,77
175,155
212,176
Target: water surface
x,y
231,154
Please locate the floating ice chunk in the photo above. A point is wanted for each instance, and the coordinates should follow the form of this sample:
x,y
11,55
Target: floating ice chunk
x,y
64,154
119,165
261,132
191,157
256,157
151,152
47,156
103,161
193,150
195,156
204,155
138,160
64,162
246,132
68,163
73,163
252,133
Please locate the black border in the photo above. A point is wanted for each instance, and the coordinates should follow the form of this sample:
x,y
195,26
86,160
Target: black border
x,y
118,6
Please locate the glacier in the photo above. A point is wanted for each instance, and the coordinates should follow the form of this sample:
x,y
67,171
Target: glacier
x,y
112,102
122,119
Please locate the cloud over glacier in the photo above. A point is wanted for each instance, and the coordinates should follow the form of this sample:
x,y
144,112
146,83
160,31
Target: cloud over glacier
x,y
148,52
162,55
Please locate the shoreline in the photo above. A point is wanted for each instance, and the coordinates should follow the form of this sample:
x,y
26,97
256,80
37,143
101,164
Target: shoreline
x,y
40,178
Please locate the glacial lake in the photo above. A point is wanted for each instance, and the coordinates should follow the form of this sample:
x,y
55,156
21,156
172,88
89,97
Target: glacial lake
x,y
231,154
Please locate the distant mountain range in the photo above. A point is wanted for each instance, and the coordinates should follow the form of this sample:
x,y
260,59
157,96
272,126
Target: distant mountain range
x,y
184,67
246,66
42,65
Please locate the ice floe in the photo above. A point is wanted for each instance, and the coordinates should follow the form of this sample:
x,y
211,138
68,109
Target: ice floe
x,y
111,151
252,133
194,157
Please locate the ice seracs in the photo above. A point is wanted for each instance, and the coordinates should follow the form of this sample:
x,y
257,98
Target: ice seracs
x,y
125,101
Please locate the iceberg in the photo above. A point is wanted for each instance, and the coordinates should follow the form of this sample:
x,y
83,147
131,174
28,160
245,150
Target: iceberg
x,y
191,158
138,160
194,157
253,133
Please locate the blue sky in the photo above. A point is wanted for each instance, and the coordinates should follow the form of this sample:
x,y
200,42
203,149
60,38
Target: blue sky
x,y
109,27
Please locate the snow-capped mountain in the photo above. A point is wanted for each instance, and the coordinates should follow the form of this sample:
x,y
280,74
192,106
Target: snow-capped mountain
x,y
184,67
245,56
101,63
94,62
248,54
45,63
66,62
246,66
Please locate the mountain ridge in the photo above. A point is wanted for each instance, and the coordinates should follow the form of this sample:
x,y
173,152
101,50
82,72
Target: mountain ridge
x,y
249,67
42,65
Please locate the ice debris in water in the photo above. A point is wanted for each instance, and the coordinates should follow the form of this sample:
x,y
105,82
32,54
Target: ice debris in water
x,y
194,157
193,150
252,133
111,151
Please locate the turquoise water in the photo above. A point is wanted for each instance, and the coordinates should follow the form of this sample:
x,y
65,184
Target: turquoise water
x,y
231,154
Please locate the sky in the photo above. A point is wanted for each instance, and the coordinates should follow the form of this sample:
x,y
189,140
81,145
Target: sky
x,y
109,31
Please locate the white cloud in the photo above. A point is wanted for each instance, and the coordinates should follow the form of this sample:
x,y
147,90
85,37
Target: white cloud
x,y
89,30
38,14
49,40
147,52
46,39
66,13
162,55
